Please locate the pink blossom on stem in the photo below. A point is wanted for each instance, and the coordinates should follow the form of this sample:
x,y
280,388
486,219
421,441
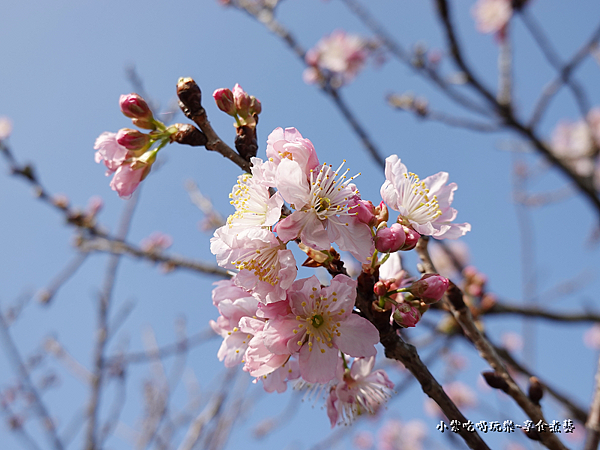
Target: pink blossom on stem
x,y
320,325
134,107
131,173
423,205
5,127
133,140
277,380
110,151
341,54
323,211
289,144
430,288
390,239
156,242
258,359
232,308
224,99
406,315
492,16
360,390
253,203
266,267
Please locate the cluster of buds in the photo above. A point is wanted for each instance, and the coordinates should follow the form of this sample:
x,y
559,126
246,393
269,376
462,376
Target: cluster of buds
x,y
395,238
238,104
408,310
129,154
244,108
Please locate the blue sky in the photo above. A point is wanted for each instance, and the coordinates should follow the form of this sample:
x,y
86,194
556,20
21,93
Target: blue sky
x,y
62,71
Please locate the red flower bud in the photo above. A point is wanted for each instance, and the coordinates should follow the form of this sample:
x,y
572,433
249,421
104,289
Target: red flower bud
x,y
430,288
406,315
225,101
412,237
135,107
390,239
133,139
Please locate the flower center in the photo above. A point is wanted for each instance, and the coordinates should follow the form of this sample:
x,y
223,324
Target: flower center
x,y
317,320
421,208
330,192
263,263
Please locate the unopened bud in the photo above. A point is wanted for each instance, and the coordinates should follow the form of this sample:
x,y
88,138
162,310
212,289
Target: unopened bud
x,y
255,106
380,289
390,239
495,381
242,101
536,390
133,140
406,315
225,101
365,212
430,288
412,237
135,107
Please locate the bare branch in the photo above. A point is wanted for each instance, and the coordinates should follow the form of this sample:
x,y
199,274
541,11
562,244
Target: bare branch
x,y
40,408
461,313
119,247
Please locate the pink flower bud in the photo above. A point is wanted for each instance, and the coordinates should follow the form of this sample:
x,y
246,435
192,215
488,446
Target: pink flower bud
x,y
430,288
224,99
412,237
133,139
242,101
255,106
365,212
135,107
390,239
380,289
406,315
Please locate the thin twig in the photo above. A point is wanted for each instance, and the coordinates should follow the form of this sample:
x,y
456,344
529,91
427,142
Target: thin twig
x,y
535,311
421,68
46,295
38,405
104,303
119,247
563,77
554,60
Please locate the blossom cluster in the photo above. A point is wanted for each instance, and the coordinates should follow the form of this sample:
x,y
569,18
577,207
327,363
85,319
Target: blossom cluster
x,y
129,154
283,329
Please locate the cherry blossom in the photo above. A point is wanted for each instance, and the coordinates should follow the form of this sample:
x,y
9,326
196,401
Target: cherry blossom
x,y
320,325
266,267
423,204
323,211
491,16
360,390
342,55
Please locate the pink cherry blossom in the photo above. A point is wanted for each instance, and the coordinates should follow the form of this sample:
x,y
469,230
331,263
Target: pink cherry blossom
x,y
156,242
341,54
423,205
492,16
397,435
126,179
258,359
430,288
320,325
360,390
390,239
232,307
266,267
406,315
5,127
109,151
253,203
573,142
289,144
277,380
323,211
